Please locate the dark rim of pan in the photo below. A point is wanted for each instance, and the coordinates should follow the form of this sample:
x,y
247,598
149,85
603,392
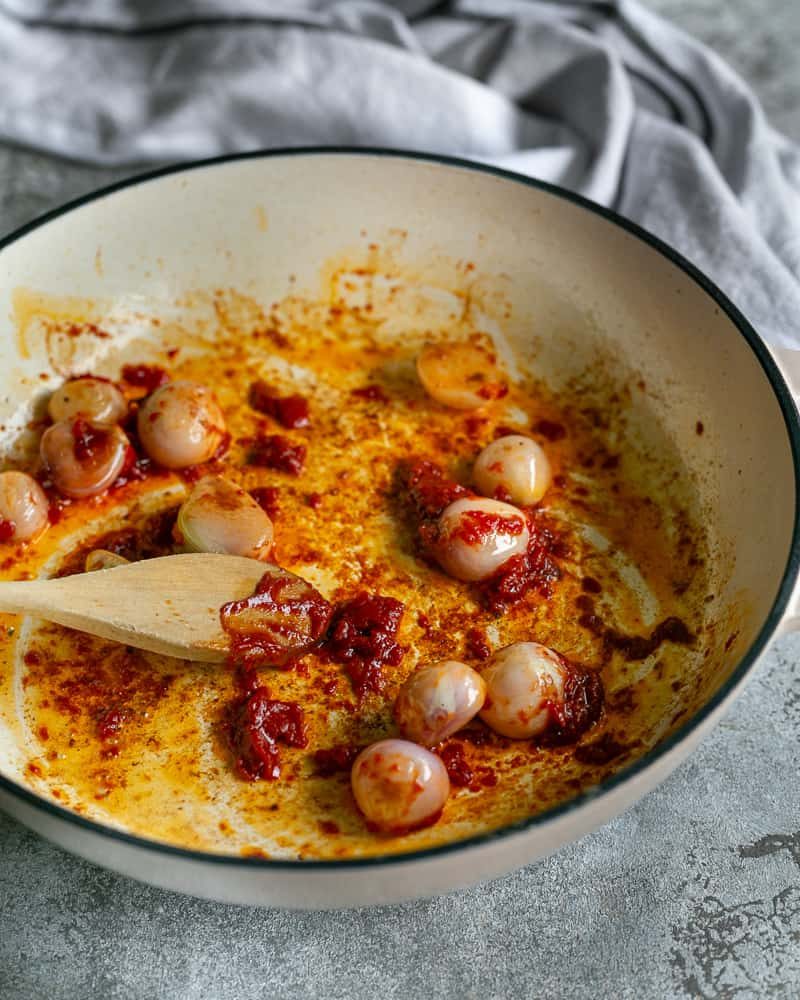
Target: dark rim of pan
x,y
772,621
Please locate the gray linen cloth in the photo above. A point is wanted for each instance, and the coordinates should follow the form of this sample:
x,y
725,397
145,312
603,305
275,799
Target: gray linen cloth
x,y
604,98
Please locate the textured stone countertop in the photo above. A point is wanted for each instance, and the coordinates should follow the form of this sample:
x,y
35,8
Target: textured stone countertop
x,y
695,892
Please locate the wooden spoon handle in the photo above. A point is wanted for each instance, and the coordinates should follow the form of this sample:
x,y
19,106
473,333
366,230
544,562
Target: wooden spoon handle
x,y
50,600
168,605
28,598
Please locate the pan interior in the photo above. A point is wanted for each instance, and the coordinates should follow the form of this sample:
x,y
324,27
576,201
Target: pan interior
x,y
677,497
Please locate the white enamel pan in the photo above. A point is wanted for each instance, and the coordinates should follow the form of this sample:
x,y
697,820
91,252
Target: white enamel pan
x,y
571,273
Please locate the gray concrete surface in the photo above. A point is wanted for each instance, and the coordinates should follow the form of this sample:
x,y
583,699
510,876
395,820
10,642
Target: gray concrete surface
x,y
695,892
759,38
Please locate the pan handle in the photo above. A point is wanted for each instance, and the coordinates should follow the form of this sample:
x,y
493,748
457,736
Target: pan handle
x,y
788,361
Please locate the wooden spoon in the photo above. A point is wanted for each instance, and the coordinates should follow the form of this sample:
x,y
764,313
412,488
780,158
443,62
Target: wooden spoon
x,y
168,605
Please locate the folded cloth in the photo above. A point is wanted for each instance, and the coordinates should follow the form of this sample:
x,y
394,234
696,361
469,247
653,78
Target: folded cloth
x,y
604,98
